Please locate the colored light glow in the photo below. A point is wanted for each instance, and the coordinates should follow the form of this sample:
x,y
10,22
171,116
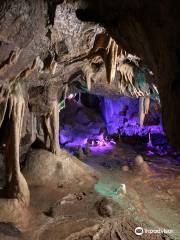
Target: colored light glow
x,y
120,116
71,96
111,189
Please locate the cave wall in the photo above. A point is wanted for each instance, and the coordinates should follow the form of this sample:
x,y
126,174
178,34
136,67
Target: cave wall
x,y
38,41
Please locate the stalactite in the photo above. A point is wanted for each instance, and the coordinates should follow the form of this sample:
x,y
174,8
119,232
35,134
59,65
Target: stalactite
x,y
144,105
141,111
101,44
11,60
88,82
14,56
54,120
33,126
50,124
110,60
23,74
140,82
5,90
105,47
66,89
4,95
34,64
127,79
88,73
28,71
53,66
132,79
79,98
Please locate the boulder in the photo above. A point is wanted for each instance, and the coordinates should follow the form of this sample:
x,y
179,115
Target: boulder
x,y
43,167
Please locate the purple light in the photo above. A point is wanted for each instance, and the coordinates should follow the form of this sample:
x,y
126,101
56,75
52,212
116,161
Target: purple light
x,y
149,144
102,149
71,96
150,153
117,116
121,115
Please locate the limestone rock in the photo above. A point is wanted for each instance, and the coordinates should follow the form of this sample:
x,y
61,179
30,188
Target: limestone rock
x,y
43,167
138,160
125,168
106,207
141,167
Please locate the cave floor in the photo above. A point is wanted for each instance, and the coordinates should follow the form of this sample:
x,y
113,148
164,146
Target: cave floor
x,y
153,195
69,211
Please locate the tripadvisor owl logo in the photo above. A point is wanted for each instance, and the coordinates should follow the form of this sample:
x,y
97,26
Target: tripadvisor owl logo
x,y
139,231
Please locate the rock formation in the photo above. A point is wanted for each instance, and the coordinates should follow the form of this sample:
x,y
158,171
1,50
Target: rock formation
x,y
50,49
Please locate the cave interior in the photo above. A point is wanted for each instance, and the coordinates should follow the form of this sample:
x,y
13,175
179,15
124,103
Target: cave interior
x,y
89,120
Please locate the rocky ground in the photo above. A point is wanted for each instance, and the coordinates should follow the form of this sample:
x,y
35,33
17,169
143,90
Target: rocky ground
x,y
107,193
124,194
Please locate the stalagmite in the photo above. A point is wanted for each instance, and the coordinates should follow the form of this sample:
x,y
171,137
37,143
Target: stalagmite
x,y
141,167
149,144
16,186
81,154
87,149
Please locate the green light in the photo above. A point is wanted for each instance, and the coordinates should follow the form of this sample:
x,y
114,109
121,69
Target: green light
x,y
110,191
61,105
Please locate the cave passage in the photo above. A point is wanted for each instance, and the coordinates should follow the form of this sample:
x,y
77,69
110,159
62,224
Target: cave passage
x,y
100,123
105,133
89,120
